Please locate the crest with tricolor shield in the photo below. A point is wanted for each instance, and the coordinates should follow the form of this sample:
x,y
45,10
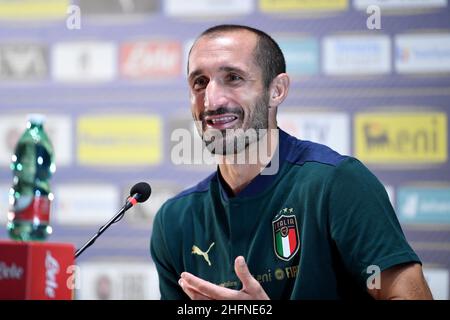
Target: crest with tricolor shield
x,y
285,237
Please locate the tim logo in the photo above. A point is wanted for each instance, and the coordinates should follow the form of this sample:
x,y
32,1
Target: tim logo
x,y
401,137
51,272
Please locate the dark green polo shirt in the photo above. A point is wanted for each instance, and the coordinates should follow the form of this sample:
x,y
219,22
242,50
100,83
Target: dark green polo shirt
x,y
313,230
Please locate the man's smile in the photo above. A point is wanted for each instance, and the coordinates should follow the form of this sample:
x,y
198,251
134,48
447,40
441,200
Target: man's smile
x,y
221,122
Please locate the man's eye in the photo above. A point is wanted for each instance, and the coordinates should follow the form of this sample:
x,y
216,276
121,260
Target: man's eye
x,y
200,83
234,78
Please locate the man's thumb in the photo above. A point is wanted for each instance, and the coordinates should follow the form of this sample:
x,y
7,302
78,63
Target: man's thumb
x,y
241,269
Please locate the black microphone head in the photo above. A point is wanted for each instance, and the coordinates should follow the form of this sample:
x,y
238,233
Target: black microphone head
x,y
143,190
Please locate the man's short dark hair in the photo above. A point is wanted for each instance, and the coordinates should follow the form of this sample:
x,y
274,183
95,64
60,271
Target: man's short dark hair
x,y
267,52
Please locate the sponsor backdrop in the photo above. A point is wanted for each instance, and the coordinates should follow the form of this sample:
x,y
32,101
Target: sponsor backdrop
x,y
114,91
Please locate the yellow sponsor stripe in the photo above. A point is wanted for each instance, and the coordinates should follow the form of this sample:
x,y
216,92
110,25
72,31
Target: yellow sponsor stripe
x,y
119,140
34,9
288,5
401,137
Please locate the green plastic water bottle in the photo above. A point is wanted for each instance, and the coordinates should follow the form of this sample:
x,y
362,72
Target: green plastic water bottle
x,y
30,195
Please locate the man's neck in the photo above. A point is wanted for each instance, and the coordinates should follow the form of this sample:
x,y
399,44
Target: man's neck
x,y
238,175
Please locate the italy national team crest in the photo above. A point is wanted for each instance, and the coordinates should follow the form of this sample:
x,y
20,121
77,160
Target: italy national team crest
x,y
285,235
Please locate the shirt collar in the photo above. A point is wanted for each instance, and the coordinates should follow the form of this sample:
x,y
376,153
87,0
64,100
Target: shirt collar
x,y
262,181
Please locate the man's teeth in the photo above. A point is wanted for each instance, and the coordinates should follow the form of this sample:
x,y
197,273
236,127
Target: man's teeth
x,y
223,119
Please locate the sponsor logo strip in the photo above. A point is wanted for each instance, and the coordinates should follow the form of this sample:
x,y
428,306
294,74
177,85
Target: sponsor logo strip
x,y
151,59
328,128
84,61
58,128
302,5
22,61
119,140
425,53
85,204
424,204
356,55
207,8
33,9
396,138
115,7
400,4
301,54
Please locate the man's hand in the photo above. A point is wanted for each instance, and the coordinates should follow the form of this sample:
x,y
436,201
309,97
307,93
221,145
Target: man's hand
x,y
199,289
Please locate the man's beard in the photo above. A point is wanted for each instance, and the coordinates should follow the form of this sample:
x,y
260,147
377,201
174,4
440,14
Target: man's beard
x,y
235,140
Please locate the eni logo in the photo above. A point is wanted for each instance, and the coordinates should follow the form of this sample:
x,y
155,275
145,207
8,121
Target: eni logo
x,y
196,250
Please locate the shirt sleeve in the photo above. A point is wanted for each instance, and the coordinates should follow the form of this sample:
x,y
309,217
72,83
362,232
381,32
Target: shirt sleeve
x,y
363,223
168,277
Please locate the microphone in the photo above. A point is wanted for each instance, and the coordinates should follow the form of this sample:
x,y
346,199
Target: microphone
x,y
140,192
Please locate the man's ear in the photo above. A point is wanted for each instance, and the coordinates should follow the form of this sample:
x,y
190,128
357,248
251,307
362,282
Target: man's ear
x,y
278,89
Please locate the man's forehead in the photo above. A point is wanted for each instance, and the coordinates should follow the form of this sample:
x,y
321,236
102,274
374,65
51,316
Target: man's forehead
x,y
209,46
226,39
220,40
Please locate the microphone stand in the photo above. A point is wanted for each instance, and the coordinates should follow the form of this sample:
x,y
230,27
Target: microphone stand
x,y
114,219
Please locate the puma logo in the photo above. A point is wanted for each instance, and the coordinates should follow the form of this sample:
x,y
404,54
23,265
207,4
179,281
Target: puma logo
x,y
196,250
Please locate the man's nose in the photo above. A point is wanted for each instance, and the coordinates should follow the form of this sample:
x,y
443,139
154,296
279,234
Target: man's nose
x,y
215,96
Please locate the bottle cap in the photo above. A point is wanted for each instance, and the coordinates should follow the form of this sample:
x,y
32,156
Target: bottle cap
x,y
36,118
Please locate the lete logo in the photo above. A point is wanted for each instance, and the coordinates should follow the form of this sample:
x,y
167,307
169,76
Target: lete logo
x,y
10,273
51,270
